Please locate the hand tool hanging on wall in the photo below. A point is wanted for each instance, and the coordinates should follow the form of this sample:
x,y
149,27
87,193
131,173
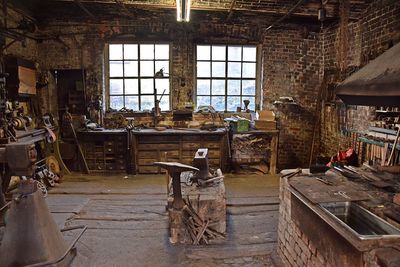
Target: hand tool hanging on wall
x,y
393,148
68,119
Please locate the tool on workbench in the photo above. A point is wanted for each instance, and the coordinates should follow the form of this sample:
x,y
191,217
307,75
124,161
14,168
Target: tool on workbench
x,y
342,194
292,174
323,180
318,168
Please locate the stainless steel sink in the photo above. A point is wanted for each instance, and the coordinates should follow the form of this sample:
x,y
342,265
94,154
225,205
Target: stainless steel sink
x,y
360,221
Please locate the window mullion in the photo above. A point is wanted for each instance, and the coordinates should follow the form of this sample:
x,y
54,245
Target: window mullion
x,y
123,75
226,78
139,80
154,78
241,76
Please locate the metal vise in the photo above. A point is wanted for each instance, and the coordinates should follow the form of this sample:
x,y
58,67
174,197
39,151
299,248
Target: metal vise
x,y
21,158
200,161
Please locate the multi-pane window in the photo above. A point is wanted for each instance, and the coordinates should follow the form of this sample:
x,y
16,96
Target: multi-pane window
x,y
132,80
226,75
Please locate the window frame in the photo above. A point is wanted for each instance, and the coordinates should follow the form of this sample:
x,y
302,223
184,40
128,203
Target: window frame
x,y
107,77
257,78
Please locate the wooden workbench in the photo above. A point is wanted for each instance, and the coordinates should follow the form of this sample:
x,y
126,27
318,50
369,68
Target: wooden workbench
x,y
179,145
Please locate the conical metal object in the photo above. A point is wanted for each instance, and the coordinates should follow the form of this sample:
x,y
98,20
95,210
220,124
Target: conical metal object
x,y
31,236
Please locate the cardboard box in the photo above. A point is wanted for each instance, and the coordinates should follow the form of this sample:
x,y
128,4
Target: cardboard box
x,y
265,125
266,115
266,120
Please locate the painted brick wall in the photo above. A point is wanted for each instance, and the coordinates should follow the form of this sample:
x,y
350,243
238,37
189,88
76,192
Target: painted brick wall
x,y
376,31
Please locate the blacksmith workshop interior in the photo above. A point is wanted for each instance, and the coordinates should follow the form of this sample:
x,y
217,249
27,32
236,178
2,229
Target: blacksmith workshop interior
x,y
200,133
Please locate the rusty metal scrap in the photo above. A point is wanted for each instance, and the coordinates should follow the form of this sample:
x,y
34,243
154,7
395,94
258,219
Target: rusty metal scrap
x,y
249,146
200,231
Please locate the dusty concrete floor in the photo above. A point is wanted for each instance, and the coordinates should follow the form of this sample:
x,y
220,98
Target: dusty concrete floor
x,y
128,223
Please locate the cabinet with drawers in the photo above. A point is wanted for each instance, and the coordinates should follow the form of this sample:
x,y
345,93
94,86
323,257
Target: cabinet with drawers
x,y
177,145
105,151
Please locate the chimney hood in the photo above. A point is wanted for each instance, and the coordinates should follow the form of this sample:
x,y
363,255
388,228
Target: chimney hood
x,y
376,84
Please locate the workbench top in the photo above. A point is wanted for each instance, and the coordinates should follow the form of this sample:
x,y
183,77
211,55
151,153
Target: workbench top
x,y
104,131
258,132
189,131
182,131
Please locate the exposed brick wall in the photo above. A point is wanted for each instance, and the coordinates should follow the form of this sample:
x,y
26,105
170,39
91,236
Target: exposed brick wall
x,y
291,64
376,31
292,67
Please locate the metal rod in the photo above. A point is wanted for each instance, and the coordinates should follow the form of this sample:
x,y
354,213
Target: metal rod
x,y
71,246
394,147
5,206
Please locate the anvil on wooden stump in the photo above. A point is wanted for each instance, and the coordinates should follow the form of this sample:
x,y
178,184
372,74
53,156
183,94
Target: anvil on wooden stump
x,y
197,213
175,214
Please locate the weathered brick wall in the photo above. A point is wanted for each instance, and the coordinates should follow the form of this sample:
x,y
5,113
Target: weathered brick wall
x,y
298,56
292,67
376,31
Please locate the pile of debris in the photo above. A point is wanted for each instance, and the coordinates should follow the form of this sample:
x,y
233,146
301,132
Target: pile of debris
x,y
250,152
199,230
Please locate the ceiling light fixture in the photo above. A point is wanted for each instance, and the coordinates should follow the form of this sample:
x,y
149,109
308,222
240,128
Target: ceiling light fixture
x,y
183,10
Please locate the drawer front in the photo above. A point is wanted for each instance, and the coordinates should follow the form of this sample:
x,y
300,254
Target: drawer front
x,y
158,146
187,160
212,138
190,146
148,169
170,154
191,138
214,162
148,155
214,153
148,162
189,153
210,145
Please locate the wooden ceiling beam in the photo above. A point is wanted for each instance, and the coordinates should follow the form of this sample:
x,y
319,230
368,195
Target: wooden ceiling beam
x,y
82,6
231,10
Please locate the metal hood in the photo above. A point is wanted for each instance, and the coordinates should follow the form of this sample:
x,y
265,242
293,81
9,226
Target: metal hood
x,y
376,84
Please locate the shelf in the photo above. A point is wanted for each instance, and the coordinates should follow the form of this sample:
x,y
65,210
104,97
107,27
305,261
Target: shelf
x,y
387,112
378,143
382,130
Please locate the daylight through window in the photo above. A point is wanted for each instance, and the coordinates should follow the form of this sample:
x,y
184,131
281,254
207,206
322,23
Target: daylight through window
x,y
226,75
132,81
